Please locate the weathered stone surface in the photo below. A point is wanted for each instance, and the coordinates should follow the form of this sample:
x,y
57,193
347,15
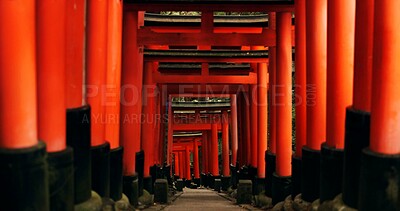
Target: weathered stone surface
x,y
244,192
300,205
93,204
161,191
335,205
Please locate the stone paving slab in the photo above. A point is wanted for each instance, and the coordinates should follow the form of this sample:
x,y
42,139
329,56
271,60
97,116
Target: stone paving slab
x,y
200,199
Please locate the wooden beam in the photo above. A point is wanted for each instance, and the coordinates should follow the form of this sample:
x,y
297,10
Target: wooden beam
x,y
148,37
205,79
238,7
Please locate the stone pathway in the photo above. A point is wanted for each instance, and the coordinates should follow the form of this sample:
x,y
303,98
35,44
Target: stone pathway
x,y
202,199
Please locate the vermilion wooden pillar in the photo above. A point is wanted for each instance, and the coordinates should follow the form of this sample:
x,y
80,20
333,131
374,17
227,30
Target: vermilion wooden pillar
x,y
214,150
78,131
96,65
75,34
234,129
148,117
18,119
225,144
358,116
113,76
253,126
284,95
270,155
316,29
205,155
300,93
170,131
176,163
112,96
196,166
341,24
240,152
380,163
246,126
187,159
262,117
300,76
272,90
51,74
210,151
282,178
131,91
385,95
181,165
51,80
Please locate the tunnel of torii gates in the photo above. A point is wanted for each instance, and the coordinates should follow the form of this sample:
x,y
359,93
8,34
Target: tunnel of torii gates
x,y
83,82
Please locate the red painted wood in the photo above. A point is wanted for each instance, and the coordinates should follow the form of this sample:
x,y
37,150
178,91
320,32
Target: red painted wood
x,y
50,34
385,121
316,29
284,96
341,26
18,103
300,77
131,92
363,55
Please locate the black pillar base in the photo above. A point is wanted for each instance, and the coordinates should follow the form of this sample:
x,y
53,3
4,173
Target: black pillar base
x,y
24,178
234,176
212,181
296,176
270,162
281,188
196,181
61,180
203,179
116,173
225,183
161,191
209,180
131,189
310,174
78,137
331,172
148,184
217,184
379,182
259,185
356,139
139,168
101,169
179,184
188,183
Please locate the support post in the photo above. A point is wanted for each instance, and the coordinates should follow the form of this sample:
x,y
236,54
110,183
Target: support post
x,y
281,186
96,65
18,121
316,29
196,166
51,78
380,163
131,92
262,117
148,120
358,115
341,24
214,150
234,129
187,158
225,144
301,95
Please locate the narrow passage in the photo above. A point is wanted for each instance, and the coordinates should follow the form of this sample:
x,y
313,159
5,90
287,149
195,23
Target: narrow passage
x,y
201,199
